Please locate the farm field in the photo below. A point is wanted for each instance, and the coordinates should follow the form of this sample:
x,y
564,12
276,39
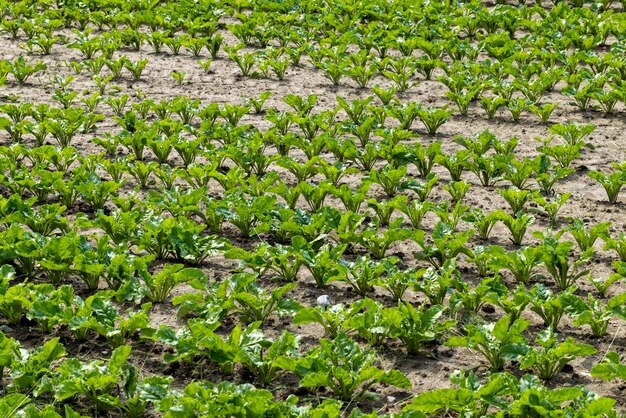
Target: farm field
x,y
247,208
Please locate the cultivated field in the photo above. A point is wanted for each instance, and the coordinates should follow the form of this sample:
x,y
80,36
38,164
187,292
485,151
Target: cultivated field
x,y
312,208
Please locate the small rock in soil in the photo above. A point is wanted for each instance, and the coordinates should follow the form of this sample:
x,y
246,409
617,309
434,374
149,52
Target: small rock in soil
x,y
324,300
391,399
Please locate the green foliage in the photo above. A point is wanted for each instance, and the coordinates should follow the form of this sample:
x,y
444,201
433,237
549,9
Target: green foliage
x,y
22,70
446,244
521,263
471,398
435,284
572,132
434,118
612,183
516,198
611,368
616,244
322,262
346,369
254,304
160,285
552,206
371,321
548,306
586,238
416,327
497,342
96,380
517,225
591,312
551,356
556,257
228,399
482,223
31,367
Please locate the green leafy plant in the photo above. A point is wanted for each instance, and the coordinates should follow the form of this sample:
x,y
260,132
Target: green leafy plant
x,y
612,183
422,189
160,285
548,306
482,223
550,357
372,321
396,281
552,206
610,368
586,238
254,304
492,105
520,263
572,132
346,369
455,163
22,70
516,198
32,367
267,359
457,190
415,210
321,262
445,244
470,300
517,225
556,257
471,397
591,312
416,327
434,118
107,321
331,318
360,274
436,284
96,380
497,342
378,242
179,77
544,111
616,244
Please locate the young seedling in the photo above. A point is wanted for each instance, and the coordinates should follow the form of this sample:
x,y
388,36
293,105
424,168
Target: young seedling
x,y
557,259
586,238
481,222
434,118
345,368
457,190
552,206
517,225
544,111
573,133
516,198
178,76
521,263
612,183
